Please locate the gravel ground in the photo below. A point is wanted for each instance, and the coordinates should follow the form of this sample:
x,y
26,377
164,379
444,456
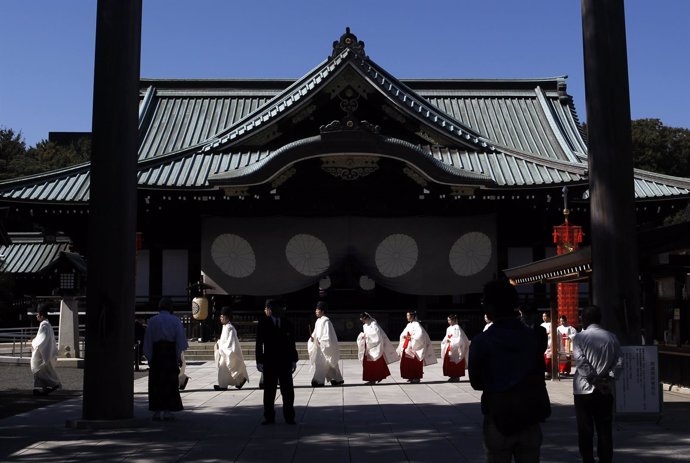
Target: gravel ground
x,y
16,388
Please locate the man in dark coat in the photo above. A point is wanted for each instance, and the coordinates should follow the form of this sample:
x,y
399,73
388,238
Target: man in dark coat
x,y
276,358
507,365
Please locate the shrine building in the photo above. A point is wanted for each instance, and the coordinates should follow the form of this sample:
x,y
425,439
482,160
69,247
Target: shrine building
x,y
348,184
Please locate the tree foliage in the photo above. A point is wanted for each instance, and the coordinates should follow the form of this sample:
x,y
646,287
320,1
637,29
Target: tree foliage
x,y
659,148
16,160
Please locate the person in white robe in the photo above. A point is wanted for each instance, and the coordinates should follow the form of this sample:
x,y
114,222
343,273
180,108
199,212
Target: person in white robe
x,y
548,354
183,378
374,350
324,351
566,333
44,356
232,370
454,350
415,350
488,320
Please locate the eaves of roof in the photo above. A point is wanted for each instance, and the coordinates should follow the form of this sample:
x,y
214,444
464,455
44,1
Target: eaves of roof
x,y
573,266
63,186
22,258
270,166
653,186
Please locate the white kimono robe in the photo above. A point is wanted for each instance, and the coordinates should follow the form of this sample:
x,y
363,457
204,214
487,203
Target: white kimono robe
x,y
458,342
420,344
376,342
232,370
324,352
547,327
44,357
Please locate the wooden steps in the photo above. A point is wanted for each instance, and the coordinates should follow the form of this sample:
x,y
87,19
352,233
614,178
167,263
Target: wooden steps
x,y
203,351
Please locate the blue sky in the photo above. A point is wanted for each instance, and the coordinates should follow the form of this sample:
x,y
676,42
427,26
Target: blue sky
x,y
47,48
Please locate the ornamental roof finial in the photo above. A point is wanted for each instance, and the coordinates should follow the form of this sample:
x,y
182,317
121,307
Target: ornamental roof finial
x,y
348,40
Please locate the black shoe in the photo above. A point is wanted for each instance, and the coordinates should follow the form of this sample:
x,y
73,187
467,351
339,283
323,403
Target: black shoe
x,y
218,388
39,392
337,383
316,384
239,386
267,421
414,381
184,383
370,383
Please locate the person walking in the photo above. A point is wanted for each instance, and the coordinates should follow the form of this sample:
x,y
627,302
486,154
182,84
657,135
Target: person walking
x,y
454,350
566,334
164,343
232,370
415,350
597,355
44,355
374,350
324,351
276,358
506,363
548,354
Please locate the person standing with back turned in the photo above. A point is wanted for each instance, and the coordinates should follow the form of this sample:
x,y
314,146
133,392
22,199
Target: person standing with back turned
x,y
597,354
507,364
164,342
276,358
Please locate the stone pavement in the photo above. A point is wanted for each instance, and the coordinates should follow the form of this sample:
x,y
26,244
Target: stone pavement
x,y
389,422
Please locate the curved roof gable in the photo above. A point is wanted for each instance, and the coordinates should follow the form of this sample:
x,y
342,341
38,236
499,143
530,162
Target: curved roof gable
x,y
349,53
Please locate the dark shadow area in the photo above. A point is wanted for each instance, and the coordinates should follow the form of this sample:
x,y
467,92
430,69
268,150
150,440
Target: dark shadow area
x,y
400,431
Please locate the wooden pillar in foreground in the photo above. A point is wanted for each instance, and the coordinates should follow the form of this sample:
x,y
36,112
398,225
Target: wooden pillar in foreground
x,y
615,284
108,375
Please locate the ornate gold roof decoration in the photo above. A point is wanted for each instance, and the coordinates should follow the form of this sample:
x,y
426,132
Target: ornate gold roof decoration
x,y
350,167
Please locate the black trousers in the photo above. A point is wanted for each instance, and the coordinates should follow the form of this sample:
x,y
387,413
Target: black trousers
x,y
595,411
271,377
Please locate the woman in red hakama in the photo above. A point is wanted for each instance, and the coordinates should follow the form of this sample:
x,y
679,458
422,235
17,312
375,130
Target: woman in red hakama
x,y
375,351
415,350
454,349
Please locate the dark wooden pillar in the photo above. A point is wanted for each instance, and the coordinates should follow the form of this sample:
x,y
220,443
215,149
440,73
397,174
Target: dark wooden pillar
x,y
614,243
108,375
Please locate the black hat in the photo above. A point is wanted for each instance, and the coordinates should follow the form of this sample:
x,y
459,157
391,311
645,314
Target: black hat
x,y
225,310
275,304
323,305
43,309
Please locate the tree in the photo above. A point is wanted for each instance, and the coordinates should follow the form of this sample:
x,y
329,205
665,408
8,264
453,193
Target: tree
x,y
18,161
659,148
12,147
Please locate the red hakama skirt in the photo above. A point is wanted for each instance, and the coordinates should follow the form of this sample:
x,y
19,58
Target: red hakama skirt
x,y
547,365
453,370
564,365
375,370
411,368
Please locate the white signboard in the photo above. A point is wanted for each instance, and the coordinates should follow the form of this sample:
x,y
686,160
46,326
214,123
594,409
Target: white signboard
x,y
637,384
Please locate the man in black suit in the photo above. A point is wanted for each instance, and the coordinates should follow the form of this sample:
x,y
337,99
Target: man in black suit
x,y
276,358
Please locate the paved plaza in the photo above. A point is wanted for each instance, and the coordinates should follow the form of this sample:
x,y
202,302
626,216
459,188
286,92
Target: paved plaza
x,y
390,422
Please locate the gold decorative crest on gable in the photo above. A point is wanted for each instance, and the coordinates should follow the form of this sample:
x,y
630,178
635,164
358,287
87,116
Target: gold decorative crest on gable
x,y
349,167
